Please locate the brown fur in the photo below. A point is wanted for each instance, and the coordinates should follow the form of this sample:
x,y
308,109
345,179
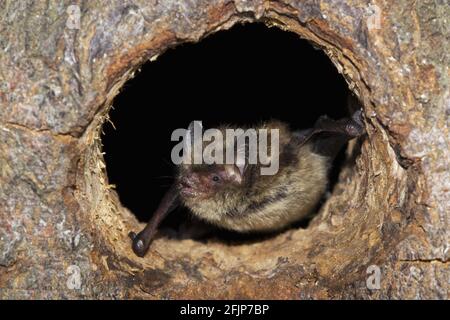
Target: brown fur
x,y
264,203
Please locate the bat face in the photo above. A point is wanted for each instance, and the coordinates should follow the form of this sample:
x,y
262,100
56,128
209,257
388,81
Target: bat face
x,y
199,182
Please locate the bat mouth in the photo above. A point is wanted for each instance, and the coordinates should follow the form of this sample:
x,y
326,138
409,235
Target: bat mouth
x,y
188,190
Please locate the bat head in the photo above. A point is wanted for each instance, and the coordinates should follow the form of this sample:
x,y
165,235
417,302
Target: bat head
x,y
200,182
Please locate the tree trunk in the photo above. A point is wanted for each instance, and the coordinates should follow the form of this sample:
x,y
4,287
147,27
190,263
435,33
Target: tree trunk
x,y
63,232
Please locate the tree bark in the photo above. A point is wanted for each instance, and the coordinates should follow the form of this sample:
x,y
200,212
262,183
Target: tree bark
x,y
63,232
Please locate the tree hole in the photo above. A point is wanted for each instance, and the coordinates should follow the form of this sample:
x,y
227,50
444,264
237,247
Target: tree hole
x,y
241,76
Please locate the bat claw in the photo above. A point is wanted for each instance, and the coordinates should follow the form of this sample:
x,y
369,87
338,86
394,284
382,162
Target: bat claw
x,y
132,235
139,246
356,126
358,117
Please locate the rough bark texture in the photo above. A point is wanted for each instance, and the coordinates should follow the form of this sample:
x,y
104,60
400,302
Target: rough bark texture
x,y
59,218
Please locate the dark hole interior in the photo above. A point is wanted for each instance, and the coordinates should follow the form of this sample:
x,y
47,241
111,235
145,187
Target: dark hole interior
x,y
246,74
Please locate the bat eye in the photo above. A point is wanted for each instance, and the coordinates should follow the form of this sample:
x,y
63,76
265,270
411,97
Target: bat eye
x,y
216,178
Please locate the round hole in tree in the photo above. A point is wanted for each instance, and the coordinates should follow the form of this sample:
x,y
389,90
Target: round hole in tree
x,y
240,76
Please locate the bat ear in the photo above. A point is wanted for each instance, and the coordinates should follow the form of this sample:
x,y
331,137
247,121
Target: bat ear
x,y
241,168
234,172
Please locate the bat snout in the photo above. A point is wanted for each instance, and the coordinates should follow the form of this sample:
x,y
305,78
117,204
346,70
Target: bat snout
x,y
189,186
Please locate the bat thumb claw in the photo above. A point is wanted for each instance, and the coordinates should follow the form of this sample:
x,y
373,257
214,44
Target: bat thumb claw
x,y
139,244
132,235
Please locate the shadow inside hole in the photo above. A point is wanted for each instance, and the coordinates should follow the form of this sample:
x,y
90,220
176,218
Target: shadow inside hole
x,y
240,76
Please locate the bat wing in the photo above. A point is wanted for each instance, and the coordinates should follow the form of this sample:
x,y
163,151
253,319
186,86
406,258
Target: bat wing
x,y
347,127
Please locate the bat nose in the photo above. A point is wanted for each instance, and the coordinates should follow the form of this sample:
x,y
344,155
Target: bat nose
x,y
189,181
186,183
189,186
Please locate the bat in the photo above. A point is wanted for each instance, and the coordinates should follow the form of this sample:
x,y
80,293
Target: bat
x,y
238,197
